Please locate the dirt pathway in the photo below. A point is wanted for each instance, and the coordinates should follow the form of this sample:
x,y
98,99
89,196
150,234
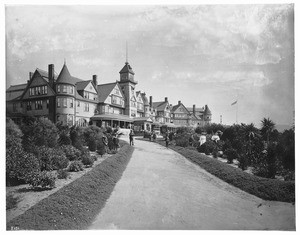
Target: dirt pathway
x,y
160,189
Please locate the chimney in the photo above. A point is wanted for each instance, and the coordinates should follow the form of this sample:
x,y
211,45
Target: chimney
x,y
51,75
166,99
30,75
95,80
194,109
179,102
150,103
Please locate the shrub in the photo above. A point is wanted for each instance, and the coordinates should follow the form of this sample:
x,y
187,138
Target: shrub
x,y
41,132
210,147
230,154
13,135
87,160
71,152
19,164
50,158
64,139
182,139
243,161
101,149
76,166
11,201
266,166
76,136
42,179
62,174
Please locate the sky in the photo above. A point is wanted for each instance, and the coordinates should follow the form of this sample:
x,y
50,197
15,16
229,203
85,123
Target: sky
x,y
199,54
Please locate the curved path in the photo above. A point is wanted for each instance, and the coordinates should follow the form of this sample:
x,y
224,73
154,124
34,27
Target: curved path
x,y
160,189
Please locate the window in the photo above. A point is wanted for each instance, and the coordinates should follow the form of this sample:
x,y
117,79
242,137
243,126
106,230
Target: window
x,y
78,104
58,88
38,104
29,105
65,101
64,89
71,103
47,104
46,90
86,95
58,102
71,90
86,107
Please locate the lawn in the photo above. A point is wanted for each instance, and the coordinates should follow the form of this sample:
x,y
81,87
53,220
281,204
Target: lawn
x,y
267,189
77,204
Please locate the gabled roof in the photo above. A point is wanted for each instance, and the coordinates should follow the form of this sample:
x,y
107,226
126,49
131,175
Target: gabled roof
x,y
82,85
159,106
104,90
196,109
127,69
17,87
177,106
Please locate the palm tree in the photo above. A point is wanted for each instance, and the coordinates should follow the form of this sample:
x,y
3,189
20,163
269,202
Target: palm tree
x,y
267,127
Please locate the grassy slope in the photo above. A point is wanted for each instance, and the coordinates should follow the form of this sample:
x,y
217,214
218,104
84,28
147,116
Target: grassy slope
x,y
77,204
267,189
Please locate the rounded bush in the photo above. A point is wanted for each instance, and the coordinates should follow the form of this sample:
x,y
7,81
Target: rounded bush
x,y
101,150
71,152
87,160
19,164
42,179
62,174
230,154
76,166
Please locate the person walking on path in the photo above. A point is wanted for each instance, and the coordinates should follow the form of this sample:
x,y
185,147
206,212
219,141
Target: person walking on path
x,y
131,134
167,139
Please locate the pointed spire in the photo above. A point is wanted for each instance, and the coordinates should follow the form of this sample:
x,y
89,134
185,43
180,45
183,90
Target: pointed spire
x,y
126,52
65,76
65,62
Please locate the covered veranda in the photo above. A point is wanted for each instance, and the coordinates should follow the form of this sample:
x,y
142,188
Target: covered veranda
x,y
111,120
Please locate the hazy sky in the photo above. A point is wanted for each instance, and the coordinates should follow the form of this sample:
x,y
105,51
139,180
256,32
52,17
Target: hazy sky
x,y
200,55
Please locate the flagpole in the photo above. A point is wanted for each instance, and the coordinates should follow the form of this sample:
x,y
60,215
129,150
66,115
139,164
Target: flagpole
x,y
237,107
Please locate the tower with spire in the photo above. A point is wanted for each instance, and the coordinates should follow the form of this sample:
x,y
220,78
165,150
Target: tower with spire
x,y
127,84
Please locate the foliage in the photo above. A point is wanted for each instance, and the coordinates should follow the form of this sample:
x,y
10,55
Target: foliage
x,y
101,149
76,136
64,134
243,161
71,152
266,166
87,160
42,132
13,135
231,154
182,139
76,166
62,174
267,128
286,149
76,205
182,130
42,179
19,164
11,201
51,158
92,135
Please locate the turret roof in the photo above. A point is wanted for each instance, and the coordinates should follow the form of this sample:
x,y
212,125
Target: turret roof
x,y
65,76
127,68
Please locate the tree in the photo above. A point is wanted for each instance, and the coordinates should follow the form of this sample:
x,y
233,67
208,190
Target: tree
x,y
267,127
